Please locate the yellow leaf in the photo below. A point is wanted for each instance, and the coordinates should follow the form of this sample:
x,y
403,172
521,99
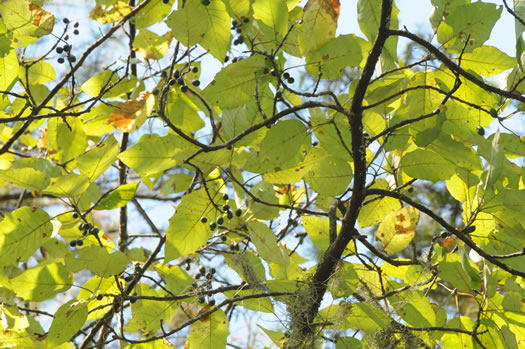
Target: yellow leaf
x,y
131,114
398,229
110,14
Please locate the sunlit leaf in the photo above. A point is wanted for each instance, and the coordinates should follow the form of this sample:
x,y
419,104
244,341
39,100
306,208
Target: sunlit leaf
x,y
111,13
397,229
118,197
42,282
98,260
130,115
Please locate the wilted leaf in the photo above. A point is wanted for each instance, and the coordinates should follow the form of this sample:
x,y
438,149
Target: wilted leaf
x,y
130,115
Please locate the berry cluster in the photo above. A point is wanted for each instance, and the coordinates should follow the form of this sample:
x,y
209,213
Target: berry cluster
x,y
66,49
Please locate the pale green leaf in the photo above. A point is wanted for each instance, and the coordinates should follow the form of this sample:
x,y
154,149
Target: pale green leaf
x,y
397,229
98,159
118,197
150,45
266,243
209,332
373,212
69,318
23,231
42,282
8,70
26,18
329,175
319,24
426,164
274,14
98,260
67,186
37,74
487,61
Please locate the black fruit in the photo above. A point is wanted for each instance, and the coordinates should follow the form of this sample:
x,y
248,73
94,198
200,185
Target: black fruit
x,y
226,207
202,269
94,231
246,20
155,92
180,81
286,75
72,59
220,220
226,59
493,113
75,215
234,247
184,89
67,48
80,242
201,298
173,82
66,37
223,238
176,74
73,243
204,220
211,302
166,1
225,197
481,131
187,266
229,214
75,25
195,69
266,70
60,60
212,271
291,80
469,229
75,31
213,225
66,20
238,212
195,83
59,49
100,297
205,2
278,95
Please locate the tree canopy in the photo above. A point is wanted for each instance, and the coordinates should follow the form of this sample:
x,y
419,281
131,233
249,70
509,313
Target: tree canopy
x,y
315,190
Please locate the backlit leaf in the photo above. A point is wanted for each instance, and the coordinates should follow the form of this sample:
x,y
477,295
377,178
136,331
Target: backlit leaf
x,y
397,229
130,115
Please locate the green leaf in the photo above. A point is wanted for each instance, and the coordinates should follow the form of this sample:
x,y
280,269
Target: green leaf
x,y
186,233
329,175
426,164
150,45
338,53
98,159
98,260
37,74
69,318
152,13
97,285
459,339
274,14
248,266
67,186
234,85
26,18
266,242
451,270
319,24
26,178
208,26
291,138
42,282
209,332
149,315
23,231
65,141
373,212
487,61
153,154
118,197
9,70
177,280
474,21
262,304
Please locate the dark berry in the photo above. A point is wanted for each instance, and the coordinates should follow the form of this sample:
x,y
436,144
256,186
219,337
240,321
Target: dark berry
x,y
225,197
238,30
198,276
234,23
226,207
195,83
75,31
410,189
229,214
286,75
66,37
100,297
246,20
202,269
204,220
195,69
67,48
72,59
481,131
213,225
234,247
278,95
187,266
201,298
291,80
80,242
80,226
75,215
238,212
226,59
172,82
66,20
176,74
223,238
266,70
166,1
212,270
60,60
75,25
184,89
220,220
94,231
137,267
133,300
59,49
155,92
73,243
205,2
211,302
180,81
493,113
